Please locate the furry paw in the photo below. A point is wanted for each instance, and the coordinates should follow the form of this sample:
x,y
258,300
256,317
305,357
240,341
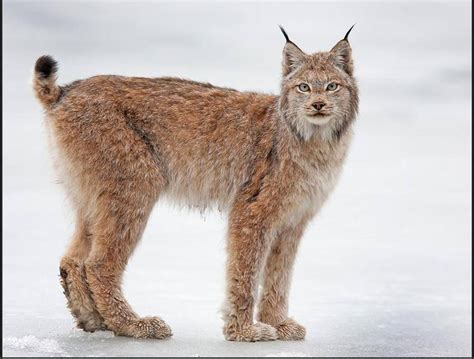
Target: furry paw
x,y
148,327
79,299
90,322
252,333
290,330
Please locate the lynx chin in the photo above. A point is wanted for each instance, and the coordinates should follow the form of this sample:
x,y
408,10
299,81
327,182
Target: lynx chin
x,y
268,161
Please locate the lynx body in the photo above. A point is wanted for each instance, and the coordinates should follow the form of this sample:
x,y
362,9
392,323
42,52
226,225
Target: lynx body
x,y
270,162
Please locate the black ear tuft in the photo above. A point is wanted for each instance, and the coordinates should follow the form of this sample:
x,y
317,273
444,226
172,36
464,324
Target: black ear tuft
x,y
46,66
284,33
348,32
293,56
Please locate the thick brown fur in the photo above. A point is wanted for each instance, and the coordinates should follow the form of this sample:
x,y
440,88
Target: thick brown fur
x,y
121,143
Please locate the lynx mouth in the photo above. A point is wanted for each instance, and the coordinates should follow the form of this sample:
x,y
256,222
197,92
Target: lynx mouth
x,y
318,114
319,118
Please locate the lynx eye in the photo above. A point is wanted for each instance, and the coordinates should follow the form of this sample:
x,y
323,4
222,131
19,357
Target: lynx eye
x,y
332,86
303,87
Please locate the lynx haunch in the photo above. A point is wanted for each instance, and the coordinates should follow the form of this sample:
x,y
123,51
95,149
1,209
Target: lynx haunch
x,y
270,162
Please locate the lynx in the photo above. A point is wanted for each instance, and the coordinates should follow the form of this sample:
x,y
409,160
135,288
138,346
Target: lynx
x,y
269,162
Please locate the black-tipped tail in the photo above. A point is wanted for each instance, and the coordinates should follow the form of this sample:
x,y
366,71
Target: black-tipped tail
x,y
44,81
46,66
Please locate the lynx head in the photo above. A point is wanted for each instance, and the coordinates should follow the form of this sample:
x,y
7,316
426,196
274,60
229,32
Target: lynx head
x,y
318,92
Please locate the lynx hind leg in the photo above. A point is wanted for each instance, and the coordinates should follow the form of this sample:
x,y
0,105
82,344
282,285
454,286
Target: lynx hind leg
x,y
273,305
118,226
74,282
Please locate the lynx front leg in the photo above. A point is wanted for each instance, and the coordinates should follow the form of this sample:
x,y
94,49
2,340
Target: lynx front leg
x,y
248,244
273,306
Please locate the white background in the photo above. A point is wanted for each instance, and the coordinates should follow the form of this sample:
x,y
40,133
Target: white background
x,y
385,268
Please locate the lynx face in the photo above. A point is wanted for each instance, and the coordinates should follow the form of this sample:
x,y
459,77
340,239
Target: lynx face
x,y
319,93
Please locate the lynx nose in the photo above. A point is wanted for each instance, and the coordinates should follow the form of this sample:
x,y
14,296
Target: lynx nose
x,y
318,105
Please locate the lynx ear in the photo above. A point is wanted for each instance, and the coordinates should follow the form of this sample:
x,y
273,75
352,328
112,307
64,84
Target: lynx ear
x,y
293,56
341,54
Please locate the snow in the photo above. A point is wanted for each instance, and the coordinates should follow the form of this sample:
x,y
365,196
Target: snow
x,y
32,343
385,270
287,354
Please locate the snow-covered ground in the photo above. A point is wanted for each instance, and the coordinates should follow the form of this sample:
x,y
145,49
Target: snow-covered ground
x,y
384,270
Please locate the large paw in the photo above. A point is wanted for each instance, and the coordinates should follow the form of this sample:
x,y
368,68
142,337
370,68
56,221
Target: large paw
x,y
79,299
89,321
253,333
290,330
148,327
